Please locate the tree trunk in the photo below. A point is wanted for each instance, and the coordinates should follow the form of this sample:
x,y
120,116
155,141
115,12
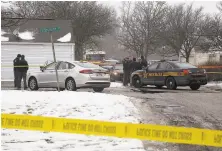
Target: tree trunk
x,y
78,51
187,59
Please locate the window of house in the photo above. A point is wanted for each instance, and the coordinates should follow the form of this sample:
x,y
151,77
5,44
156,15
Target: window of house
x,y
212,57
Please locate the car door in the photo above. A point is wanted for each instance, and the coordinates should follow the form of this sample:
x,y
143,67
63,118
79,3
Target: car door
x,y
162,68
47,77
148,78
64,69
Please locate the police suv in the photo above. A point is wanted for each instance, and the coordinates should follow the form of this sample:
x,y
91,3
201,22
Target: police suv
x,y
170,74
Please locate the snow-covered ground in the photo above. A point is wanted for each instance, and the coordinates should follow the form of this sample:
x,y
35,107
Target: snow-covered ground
x,y
116,85
217,84
84,105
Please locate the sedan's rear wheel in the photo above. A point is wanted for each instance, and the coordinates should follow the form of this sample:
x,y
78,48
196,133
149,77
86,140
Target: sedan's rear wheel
x,y
70,84
32,84
194,86
98,89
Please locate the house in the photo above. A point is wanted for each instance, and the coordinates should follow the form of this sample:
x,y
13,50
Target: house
x,y
27,39
198,57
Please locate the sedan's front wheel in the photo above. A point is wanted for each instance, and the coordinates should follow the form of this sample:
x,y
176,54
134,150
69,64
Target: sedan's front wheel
x,y
136,82
32,83
70,85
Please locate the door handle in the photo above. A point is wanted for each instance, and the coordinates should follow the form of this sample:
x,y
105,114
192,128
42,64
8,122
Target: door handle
x,y
66,71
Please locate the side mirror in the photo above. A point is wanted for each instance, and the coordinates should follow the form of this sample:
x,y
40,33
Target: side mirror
x,y
42,68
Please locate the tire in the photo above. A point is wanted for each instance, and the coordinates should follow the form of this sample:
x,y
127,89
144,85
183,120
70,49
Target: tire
x,y
194,86
70,84
171,83
136,82
33,84
159,86
98,89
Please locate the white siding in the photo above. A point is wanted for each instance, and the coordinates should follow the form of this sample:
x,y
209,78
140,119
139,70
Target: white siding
x,y
35,54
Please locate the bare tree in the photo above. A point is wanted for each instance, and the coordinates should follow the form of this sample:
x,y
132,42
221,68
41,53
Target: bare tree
x,y
183,29
219,6
89,19
212,33
142,23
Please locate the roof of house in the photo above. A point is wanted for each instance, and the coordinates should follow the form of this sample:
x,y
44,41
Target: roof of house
x,y
29,31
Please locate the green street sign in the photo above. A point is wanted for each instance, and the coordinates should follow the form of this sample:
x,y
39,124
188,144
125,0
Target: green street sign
x,y
51,29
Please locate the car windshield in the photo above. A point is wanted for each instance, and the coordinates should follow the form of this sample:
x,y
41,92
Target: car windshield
x,y
119,67
184,65
87,65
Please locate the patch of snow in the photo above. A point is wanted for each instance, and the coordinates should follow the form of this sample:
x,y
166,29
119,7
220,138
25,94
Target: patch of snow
x,y
215,84
116,85
65,38
26,35
2,37
81,105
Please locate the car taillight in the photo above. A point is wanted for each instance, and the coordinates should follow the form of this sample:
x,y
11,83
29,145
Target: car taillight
x,y
86,71
186,72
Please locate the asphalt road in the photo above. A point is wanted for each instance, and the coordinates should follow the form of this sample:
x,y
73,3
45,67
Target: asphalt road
x,y
182,107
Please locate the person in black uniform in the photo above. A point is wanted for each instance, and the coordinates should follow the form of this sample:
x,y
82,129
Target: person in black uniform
x,y
22,72
134,65
126,71
15,69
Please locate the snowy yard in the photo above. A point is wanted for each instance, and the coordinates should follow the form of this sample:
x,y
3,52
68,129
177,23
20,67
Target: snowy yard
x,y
84,105
217,85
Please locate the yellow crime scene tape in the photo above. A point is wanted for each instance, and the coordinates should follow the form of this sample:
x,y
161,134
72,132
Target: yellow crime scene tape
x,y
161,133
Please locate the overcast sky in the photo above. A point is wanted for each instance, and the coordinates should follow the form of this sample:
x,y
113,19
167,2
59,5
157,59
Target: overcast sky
x,y
209,6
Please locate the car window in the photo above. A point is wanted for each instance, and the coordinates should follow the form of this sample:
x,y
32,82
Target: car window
x,y
162,66
63,66
183,65
51,66
71,66
153,66
169,66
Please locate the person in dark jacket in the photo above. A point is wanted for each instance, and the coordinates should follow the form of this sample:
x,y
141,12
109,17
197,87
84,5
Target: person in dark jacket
x,y
22,72
15,69
143,62
126,71
134,65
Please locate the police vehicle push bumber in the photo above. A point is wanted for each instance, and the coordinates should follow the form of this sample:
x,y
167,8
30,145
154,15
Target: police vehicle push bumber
x,y
170,74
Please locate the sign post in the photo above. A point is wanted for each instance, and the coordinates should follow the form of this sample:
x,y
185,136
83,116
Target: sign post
x,y
50,30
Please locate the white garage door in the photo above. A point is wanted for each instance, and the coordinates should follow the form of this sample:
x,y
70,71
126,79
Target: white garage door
x,y
35,54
